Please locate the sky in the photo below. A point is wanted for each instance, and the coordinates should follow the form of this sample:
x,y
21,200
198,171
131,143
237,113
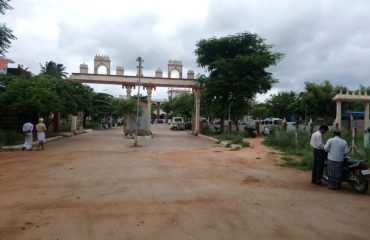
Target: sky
x,y
320,39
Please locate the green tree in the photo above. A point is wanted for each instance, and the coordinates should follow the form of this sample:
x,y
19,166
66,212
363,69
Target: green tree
x,y
75,96
260,111
282,104
127,107
6,34
237,67
33,96
317,100
53,69
102,106
167,108
183,105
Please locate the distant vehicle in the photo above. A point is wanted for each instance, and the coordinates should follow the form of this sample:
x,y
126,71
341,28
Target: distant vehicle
x,y
268,123
177,123
271,121
251,131
249,123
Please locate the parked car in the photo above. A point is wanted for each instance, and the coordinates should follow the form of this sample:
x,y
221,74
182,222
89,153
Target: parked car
x,y
271,121
268,123
177,123
249,123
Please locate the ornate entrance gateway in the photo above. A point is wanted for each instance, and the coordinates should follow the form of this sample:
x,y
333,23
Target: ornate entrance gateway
x,y
148,83
363,98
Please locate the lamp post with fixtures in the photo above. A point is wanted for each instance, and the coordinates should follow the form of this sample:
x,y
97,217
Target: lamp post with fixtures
x,y
140,61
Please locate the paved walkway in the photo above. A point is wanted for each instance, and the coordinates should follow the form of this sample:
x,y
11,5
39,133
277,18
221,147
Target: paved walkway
x,y
176,186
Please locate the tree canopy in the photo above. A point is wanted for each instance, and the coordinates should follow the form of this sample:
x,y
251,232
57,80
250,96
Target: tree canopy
x,y
315,102
237,66
41,95
6,34
180,106
53,69
282,104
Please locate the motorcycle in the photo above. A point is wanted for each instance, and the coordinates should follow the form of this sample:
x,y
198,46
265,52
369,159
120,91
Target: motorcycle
x,y
356,173
252,132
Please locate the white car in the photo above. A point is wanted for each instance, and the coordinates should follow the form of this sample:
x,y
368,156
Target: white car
x,y
177,123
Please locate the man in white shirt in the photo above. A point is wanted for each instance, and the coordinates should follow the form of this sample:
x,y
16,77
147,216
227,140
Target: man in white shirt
x,y
319,154
337,148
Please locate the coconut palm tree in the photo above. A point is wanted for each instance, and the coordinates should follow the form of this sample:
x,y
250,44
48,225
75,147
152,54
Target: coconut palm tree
x,y
53,69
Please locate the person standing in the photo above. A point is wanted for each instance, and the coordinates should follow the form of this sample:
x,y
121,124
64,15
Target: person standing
x,y
40,129
27,131
337,148
319,154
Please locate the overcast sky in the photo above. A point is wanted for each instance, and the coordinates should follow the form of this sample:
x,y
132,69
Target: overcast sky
x,y
321,39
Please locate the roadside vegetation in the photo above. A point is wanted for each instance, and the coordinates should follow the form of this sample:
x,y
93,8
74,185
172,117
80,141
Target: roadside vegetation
x,y
51,96
234,138
297,152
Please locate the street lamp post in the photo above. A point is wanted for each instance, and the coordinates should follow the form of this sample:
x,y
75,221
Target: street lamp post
x,y
228,122
140,60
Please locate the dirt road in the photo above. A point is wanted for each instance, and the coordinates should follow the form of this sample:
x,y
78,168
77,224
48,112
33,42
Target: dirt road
x,y
176,186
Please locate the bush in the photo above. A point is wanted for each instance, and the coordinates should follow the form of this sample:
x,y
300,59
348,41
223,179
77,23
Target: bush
x,y
65,126
10,137
226,137
238,139
206,129
285,141
93,125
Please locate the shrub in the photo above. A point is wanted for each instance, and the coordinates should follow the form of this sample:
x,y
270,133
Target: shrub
x,y
238,140
206,129
10,137
93,125
65,126
226,137
285,141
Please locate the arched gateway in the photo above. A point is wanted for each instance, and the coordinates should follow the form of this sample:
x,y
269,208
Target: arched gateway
x,y
148,83
363,98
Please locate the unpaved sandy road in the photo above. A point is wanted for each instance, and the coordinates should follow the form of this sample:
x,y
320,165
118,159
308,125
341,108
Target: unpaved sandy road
x,y
95,186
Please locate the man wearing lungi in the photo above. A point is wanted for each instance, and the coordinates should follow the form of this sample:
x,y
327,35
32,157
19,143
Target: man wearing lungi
x,y
41,129
337,148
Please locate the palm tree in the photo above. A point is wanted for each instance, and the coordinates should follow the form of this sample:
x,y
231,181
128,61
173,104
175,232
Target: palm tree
x,y
53,69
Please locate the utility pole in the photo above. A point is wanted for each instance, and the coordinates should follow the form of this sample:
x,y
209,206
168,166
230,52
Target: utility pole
x,y
140,60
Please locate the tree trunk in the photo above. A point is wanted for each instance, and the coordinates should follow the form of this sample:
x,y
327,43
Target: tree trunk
x,y
222,125
236,125
84,121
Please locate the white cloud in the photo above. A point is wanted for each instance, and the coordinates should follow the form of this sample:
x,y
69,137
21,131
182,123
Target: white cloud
x,y
321,39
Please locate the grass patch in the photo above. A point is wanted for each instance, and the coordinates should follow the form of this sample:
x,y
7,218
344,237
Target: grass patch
x,y
234,138
93,125
292,163
286,143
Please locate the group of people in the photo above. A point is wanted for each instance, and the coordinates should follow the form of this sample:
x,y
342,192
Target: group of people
x,y
28,135
334,151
